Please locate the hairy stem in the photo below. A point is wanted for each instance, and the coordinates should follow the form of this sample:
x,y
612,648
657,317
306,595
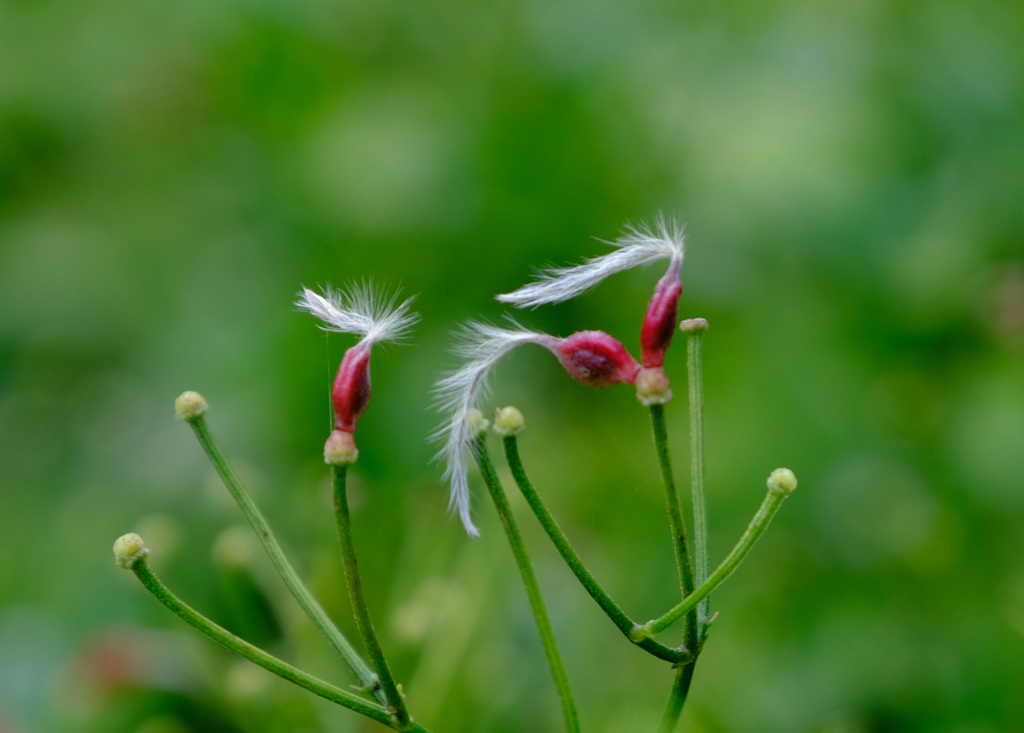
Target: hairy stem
x,y
694,348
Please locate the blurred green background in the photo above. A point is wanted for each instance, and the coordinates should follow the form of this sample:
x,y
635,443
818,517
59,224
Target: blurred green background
x,y
850,176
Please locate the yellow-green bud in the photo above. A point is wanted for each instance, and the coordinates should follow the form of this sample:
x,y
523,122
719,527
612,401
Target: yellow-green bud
x,y
652,386
693,325
476,423
127,549
782,481
340,449
189,406
508,421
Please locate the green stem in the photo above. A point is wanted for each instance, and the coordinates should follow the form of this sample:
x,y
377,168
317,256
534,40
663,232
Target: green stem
x,y
676,699
611,609
694,348
691,631
540,614
770,505
672,504
284,568
360,611
254,654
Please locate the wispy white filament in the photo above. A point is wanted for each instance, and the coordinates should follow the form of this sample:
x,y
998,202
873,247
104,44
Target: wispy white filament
x,y
360,310
482,346
638,246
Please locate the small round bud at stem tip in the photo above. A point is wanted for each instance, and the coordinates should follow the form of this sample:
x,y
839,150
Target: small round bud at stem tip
x,y
340,449
652,387
693,325
189,406
508,421
128,548
476,424
782,481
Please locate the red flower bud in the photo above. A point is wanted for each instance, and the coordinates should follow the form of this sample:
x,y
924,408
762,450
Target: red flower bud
x,y
596,359
351,392
660,319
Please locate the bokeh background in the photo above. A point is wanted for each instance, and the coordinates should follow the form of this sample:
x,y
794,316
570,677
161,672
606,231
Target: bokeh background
x,y
850,178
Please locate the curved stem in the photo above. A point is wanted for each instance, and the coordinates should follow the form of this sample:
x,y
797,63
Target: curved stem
x,y
540,614
611,609
256,655
770,505
284,568
396,704
694,348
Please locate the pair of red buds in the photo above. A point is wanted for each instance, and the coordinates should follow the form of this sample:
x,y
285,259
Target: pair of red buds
x,y
593,358
599,360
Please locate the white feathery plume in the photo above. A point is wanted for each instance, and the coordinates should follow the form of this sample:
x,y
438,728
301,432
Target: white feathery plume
x,y
360,310
640,245
483,346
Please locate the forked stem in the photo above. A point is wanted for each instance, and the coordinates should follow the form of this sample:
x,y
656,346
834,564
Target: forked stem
x,y
256,655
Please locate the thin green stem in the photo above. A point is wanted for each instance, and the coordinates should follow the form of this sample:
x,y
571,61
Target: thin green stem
x,y
694,348
256,655
540,614
691,631
676,699
611,609
360,611
772,501
672,503
284,568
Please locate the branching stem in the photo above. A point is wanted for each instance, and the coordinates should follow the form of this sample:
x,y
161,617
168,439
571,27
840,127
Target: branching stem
x,y
772,501
614,612
284,568
256,655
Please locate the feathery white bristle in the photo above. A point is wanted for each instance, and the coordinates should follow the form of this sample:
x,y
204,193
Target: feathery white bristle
x,y
360,310
640,245
483,346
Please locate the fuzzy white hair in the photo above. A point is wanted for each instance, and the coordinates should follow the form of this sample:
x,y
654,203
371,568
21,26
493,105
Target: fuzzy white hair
x,y
482,346
360,310
640,245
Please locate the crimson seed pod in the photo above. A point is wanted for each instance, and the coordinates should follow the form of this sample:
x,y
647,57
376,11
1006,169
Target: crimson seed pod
x,y
660,319
351,391
596,359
